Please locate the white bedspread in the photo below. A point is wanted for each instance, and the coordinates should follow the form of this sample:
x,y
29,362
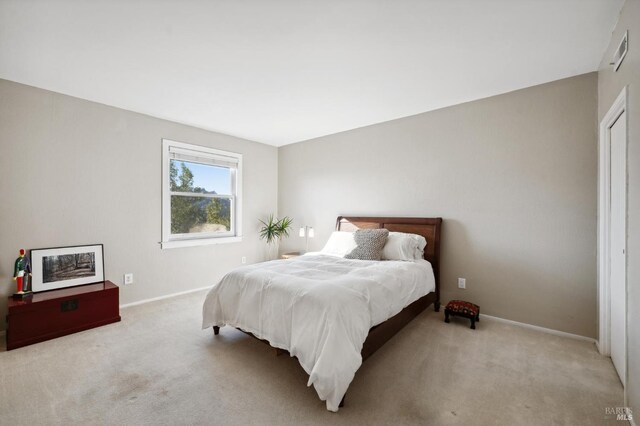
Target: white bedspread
x,y
319,308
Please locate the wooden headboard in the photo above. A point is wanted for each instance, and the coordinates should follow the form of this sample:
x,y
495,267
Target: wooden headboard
x,y
429,228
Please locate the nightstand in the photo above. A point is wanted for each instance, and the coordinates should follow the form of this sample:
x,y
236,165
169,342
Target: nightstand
x,y
291,255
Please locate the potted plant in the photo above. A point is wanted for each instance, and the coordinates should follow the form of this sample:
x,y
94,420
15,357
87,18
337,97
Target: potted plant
x,y
274,229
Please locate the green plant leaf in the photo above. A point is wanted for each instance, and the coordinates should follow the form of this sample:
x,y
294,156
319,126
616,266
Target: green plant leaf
x,y
284,226
274,229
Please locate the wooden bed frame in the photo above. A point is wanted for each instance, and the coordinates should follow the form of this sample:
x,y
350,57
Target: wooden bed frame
x,y
430,229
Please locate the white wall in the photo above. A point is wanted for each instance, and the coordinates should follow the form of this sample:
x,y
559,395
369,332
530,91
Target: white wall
x,y
77,172
610,84
513,176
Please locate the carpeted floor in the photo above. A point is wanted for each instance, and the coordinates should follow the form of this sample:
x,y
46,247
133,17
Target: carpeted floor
x,y
157,367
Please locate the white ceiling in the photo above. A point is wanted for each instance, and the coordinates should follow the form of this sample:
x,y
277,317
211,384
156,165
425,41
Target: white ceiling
x,y
285,71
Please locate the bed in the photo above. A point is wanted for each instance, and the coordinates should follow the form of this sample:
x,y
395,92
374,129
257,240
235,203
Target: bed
x,y
330,313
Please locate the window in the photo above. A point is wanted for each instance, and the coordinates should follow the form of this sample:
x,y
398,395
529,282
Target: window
x,y
201,195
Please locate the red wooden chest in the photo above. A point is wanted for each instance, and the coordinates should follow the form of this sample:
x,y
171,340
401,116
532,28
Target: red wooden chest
x,y
60,312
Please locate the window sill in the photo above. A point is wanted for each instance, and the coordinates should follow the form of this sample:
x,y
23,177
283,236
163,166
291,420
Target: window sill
x,y
199,242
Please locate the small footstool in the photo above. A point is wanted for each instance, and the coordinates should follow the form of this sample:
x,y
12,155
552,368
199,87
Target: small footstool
x,y
460,308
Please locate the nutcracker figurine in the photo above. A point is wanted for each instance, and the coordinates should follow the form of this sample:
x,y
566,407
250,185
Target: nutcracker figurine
x,y
21,274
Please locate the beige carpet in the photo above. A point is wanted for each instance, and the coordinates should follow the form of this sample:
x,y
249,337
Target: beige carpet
x,y
157,367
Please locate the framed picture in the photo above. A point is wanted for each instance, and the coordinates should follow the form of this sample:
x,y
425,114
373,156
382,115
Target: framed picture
x,y
66,267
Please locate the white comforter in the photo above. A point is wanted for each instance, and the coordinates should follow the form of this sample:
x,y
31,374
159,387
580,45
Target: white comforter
x,y
319,308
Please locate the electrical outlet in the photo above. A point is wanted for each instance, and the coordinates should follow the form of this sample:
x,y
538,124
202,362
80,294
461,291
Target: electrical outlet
x,y
462,283
244,260
128,279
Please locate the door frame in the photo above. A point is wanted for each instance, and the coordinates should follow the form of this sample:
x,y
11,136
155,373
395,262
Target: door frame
x,y
604,220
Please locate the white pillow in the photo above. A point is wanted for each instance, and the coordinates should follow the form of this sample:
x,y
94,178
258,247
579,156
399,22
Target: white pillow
x,y
402,246
339,244
422,243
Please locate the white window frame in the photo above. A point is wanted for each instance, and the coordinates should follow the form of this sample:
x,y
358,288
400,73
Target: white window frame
x,y
170,240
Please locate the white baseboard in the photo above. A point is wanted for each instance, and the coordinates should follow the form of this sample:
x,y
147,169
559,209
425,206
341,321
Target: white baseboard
x,y
542,329
167,296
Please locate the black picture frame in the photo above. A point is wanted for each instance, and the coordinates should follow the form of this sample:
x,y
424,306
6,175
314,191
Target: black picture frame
x,y
69,266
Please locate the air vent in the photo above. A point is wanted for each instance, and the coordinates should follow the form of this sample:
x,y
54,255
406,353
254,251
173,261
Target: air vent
x,y
621,51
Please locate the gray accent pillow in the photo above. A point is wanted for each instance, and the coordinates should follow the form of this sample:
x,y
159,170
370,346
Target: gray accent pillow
x,y
370,243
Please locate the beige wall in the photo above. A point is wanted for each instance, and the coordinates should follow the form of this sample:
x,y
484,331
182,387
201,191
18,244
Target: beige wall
x,y
77,172
610,84
513,176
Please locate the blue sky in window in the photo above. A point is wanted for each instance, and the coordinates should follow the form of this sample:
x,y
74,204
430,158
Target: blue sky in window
x,y
211,178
